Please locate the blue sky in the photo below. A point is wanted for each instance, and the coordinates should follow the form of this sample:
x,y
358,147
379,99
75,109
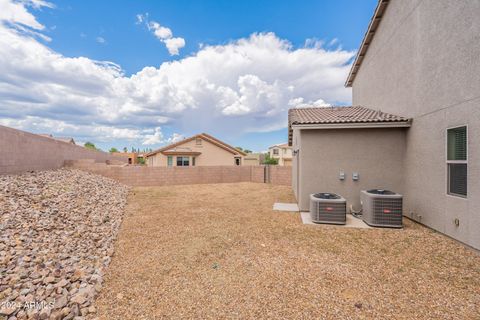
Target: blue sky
x,y
242,65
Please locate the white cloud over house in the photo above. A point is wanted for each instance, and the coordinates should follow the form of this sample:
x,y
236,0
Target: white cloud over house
x,y
246,85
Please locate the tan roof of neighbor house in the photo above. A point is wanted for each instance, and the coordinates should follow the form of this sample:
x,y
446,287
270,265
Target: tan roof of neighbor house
x,y
62,139
65,139
204,136
340,115
367,39
280,145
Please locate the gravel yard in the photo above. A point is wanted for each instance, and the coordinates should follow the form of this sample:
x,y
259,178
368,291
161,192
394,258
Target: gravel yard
x,y
219,251
57,230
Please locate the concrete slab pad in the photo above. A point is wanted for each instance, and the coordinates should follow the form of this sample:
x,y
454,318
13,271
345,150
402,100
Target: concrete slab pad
x,y
292,207
352,222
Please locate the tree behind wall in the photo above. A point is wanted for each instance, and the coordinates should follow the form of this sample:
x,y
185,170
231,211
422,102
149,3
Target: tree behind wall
x,y
112,150
269,160
90,145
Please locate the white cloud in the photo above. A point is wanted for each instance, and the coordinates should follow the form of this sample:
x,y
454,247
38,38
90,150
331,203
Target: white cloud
x,y
155,138
175,138
140,18
163,34
101,40
246,85
174,45
16,13
299,103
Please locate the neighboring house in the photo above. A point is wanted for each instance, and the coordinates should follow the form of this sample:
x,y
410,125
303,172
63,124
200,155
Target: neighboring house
x,y
419,59
253,159
199,150
62,139
282,152
131,156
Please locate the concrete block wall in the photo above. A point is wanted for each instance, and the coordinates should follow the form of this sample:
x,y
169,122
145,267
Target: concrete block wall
x,y
23,151
281,175
161,176
257,174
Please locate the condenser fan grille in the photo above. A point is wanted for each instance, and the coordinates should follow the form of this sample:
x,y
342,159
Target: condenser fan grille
x,y
324,195
387,211
328,208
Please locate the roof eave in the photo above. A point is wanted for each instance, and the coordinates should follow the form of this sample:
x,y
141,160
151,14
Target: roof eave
x,y
367,39
179,152
355,125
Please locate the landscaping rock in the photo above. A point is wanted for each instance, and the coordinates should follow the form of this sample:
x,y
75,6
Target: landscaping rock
x,y
57,230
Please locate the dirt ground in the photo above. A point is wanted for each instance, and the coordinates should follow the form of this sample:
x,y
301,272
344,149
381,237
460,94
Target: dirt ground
x,y
220,251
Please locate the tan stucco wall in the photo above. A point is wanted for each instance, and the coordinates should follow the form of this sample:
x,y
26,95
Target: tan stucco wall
x,y
423,63
251,162
212,155
375,154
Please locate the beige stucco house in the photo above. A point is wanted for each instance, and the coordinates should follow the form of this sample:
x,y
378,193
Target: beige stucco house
x,y
282,152
253,159
419,64
132,157
199,150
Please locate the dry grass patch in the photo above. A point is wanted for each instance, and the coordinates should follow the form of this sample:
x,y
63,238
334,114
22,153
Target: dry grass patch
x,y
219,251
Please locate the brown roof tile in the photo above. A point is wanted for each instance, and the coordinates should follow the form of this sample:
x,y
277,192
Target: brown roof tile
x,y
204,136
339,115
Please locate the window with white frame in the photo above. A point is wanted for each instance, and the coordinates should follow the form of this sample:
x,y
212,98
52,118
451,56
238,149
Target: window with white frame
x,y
183,161
169,161
457,161
275,152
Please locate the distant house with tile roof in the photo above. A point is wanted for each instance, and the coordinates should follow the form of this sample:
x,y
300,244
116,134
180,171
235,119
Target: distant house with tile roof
x,y
199,150
282,152
62,139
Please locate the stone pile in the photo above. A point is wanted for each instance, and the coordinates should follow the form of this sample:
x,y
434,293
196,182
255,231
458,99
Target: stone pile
x,y
57,231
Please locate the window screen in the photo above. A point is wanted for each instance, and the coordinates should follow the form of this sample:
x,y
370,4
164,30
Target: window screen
x,y
457,176
457,165
169,161
457,143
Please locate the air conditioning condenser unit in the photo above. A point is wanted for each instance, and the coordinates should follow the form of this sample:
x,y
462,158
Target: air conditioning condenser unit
x,y
382,208
328,208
